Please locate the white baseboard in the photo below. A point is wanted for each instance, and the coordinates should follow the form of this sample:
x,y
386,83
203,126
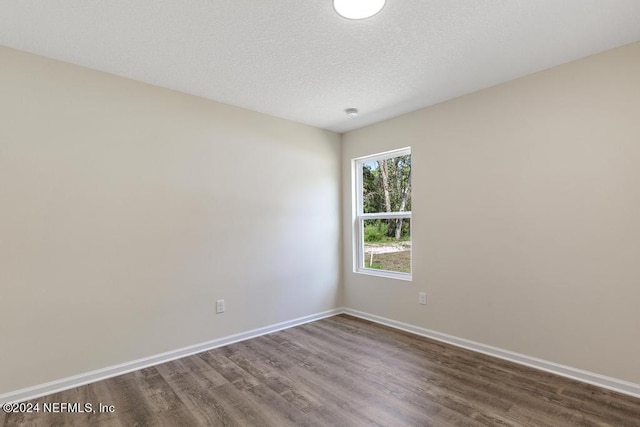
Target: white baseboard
x,y
603,381
123,368
40,390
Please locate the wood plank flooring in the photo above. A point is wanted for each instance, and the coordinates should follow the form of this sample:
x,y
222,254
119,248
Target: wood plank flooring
x,y
340,371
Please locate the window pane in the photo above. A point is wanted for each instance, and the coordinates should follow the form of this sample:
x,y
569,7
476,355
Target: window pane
x,y
386,185
387,244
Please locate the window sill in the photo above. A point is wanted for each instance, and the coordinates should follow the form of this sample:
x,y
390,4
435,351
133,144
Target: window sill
x,y
386,274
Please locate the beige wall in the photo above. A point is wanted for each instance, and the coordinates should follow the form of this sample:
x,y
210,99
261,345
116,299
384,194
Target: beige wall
x,y
126,210
526,216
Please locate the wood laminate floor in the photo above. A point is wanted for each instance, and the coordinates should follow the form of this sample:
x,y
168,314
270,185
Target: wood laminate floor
x,y
340,371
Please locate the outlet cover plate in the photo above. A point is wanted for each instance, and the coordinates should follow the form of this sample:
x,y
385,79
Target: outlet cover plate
x,y
220,306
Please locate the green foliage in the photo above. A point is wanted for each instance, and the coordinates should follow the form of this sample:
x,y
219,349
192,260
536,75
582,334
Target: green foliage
x,y
372,192
375,232
387,188
399,183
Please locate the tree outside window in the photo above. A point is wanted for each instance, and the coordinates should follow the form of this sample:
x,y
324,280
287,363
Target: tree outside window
x,y
383,214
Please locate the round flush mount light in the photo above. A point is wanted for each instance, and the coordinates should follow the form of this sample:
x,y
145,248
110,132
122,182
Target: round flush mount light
x,y
358,9
351,112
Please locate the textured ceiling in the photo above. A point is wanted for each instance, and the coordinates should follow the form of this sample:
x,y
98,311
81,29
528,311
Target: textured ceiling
x,y
298,60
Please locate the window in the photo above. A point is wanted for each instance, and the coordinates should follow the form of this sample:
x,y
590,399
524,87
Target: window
x,y
382,225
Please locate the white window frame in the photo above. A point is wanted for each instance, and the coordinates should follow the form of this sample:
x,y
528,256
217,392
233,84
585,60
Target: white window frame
x,y
359,216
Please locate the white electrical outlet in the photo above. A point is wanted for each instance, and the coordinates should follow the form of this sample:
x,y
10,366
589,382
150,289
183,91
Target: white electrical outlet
x,y
220,306
422,298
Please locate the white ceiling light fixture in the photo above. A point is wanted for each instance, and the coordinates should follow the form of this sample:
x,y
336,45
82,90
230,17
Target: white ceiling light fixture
x,y
358,9
351,112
